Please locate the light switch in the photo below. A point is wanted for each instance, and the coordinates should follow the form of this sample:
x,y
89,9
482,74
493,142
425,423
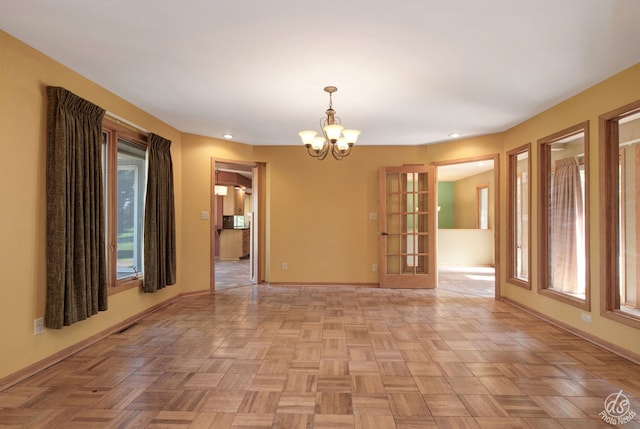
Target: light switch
x,y
204,215
373,216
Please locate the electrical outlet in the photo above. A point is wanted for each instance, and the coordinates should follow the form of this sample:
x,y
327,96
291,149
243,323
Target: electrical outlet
x,y
586,317
38,326
284,266
374,267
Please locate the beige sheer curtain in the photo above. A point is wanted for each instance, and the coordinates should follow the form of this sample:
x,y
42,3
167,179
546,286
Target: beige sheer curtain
x,y
76,264
159,218
567,228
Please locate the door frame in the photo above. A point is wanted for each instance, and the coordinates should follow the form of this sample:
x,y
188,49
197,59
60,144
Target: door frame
x,y
495,157
257,209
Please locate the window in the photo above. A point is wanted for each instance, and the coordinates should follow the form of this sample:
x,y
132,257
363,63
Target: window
x,y
620,233
563,218
518,229
482,204
125,174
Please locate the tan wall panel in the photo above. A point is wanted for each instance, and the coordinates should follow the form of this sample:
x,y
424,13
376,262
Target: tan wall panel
x,y
24,75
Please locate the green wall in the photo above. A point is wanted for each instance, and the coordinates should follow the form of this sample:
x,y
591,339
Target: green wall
x,y
445,202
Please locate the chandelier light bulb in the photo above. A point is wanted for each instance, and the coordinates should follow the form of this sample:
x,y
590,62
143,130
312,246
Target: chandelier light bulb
x,y
307,136
333,132
318,143
351,135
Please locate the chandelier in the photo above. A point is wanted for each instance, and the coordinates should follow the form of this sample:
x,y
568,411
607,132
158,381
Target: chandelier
x,y
334,138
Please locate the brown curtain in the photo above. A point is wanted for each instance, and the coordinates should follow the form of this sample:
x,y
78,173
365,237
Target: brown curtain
x,y
159,218
567,228
76,264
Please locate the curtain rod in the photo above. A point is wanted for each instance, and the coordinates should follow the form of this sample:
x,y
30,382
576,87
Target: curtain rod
x,y
120,119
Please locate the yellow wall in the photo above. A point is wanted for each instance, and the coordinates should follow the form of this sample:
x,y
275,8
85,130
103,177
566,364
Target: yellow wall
x,y
463,149
466,199
24,74
319,212
197,152
610,94
316,214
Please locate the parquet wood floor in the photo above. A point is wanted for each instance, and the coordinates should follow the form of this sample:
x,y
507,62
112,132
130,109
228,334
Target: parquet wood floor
x,y
329,357
232,273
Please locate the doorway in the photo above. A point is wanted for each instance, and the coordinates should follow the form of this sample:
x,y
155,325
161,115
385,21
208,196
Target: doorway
x,y
234,224
468,225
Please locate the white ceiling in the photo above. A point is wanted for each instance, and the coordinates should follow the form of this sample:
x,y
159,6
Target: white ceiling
x,y
409,72
455,172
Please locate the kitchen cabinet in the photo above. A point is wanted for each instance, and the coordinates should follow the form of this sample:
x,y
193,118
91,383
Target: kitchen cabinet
x,y
234,202
234,244
230,244
246,241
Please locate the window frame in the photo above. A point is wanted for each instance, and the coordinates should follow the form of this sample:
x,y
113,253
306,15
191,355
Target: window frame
x,y
610,227
479,189
544,250
512,177
114,132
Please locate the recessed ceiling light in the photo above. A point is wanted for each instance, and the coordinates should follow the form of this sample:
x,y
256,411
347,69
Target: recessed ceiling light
x,y
227,136
454,135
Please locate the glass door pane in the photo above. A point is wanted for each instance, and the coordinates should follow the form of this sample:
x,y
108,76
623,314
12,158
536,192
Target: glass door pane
x,y
406,207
